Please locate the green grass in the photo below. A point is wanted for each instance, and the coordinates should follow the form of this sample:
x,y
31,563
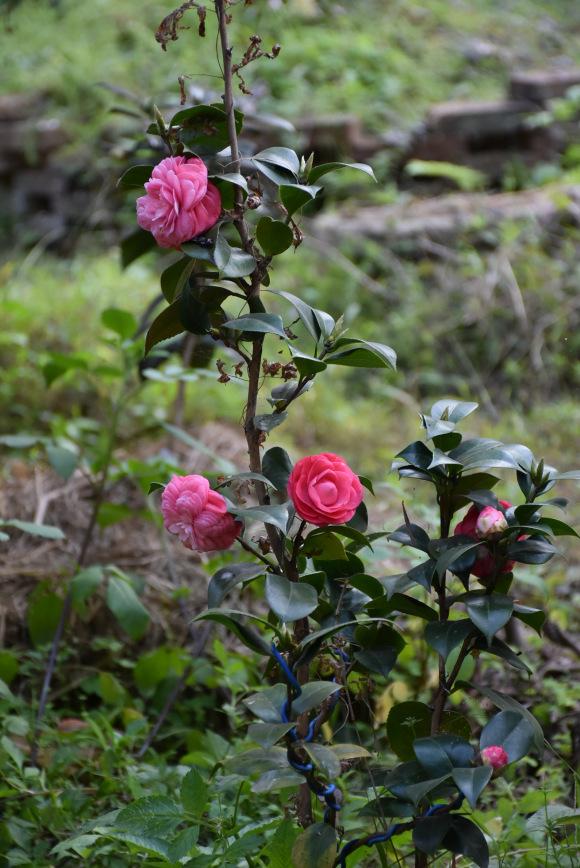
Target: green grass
x,y
386,62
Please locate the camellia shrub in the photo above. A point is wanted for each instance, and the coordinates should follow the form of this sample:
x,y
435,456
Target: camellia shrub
x,y
327,623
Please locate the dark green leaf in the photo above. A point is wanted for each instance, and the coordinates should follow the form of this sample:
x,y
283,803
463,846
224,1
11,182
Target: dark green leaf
x,y
559,528
166,325
416,454
456,549
430,831
411,535
222,582
306,364
489,612
267,734
284,158
313,695
174,278
406,722
315,847
277,515
356,353
136,176
274,236
126,606
259,323
231,261
267,704
466,838
135,245
232,178
534,618
205,128
510,730
277,466
151,816
531,551
290,600
318,171
472,781
233,621
43,614
444,636
296,196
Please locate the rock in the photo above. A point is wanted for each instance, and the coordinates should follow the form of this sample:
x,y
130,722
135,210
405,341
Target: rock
x,y
541,85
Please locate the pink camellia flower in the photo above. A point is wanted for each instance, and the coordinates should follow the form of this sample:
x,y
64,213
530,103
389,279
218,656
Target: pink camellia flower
x,y
324,490
180,202
494,756
490,522
478,519
198,515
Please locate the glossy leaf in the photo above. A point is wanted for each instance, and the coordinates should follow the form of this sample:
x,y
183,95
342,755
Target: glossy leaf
x,y
472,781
444,636
126,606
531,551
136,176
290,601
508,703
166,325
284,158
510,730
277,466
489,612
355,353
314,693
222,582
267,703
135,245
231,261
175,276
466,838
296,196
407,721
259,323
430,831
324,168
276,515
274,236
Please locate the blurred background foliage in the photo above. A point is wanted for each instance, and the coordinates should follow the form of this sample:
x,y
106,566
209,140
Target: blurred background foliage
x,y
489,313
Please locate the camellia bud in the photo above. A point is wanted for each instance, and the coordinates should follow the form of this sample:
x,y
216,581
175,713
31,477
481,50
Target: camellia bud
x,y
490,522
494,756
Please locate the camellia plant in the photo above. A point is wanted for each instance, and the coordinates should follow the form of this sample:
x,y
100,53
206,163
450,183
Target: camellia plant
x,y
327,622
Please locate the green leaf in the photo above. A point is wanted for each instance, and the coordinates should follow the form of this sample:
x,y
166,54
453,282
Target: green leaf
x,y
84,585
315,847
534,618
318,171
507,703
313,695
267,734
296,196
444,636
489,612
232,178
43,614
407,721
9,667
151,816
278,851
510,730
194,793
456,548
290,601
174,278
268,421
306,364
259,323
559,528
315,321
64,461
142,842
267,704
135,245
472,781
231,619
204,128
430,831
119,321
466,838
231,261
222,582
277,467
531,551
46,531
284,158
452,410
324,759
355,353
126,606
277,515
167,325
136,176
274,236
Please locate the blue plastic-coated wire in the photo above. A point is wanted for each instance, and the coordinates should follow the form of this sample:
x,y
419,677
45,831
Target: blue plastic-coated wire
x,y
322,791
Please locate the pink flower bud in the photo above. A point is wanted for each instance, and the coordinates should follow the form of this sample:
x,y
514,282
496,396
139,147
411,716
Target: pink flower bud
x,y
490,522
198,515
324,490
484,565
494,756
180,202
